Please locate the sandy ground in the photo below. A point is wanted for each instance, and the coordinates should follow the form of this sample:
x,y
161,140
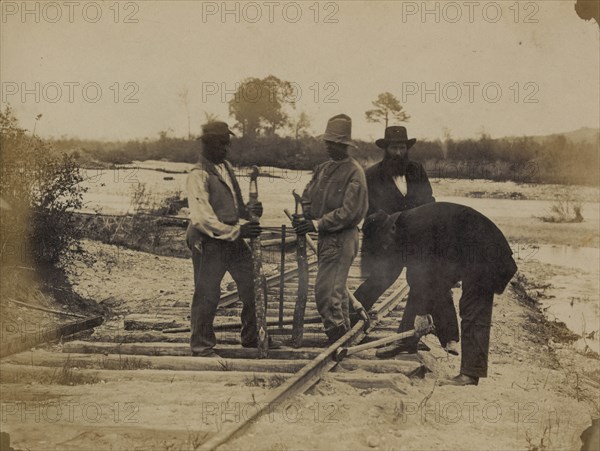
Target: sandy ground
x,y
538,392
541,392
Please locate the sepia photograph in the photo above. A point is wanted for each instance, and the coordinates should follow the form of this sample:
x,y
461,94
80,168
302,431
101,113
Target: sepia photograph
x,y
300,225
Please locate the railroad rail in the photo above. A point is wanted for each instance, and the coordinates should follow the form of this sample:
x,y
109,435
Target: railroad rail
x,y
140,337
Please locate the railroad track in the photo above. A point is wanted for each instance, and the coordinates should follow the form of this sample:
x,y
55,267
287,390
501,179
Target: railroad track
x,y
138,342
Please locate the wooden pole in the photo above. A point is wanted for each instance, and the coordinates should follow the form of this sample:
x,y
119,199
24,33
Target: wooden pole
x,y
300,307
259,295
281,276
356,305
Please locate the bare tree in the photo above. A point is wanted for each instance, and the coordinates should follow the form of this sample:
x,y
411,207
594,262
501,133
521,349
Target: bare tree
x,y
301,124
184,97
387,107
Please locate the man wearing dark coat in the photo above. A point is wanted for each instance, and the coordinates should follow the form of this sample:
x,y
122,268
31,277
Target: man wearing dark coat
x,y
444,243
398,184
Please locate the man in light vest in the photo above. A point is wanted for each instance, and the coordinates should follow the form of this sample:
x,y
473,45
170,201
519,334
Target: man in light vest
x,y
216,239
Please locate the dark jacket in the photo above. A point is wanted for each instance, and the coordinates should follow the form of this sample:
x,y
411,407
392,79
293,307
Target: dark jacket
x,y
384,195
450,240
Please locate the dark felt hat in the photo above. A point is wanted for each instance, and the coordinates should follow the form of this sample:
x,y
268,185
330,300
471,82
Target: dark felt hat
x,y
339,130
216,129
395,134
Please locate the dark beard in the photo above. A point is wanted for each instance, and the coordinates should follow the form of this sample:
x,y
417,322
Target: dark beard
x,y
337,154
394,166
214,155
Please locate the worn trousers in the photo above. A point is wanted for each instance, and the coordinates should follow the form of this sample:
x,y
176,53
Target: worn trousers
x,y
475,306
386,272
336,252
212,258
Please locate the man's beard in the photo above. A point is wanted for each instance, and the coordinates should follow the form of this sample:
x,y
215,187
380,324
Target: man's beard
x,y
394,165
337,154
215,155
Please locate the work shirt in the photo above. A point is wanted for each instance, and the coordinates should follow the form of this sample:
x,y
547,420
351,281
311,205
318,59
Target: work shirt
x,y
202,214
336,196
400,182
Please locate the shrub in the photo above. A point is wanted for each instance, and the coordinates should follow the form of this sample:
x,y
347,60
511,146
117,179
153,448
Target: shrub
x,y
40,188
565,210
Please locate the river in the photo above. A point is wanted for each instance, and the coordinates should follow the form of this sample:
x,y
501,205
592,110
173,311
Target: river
x,y
574,301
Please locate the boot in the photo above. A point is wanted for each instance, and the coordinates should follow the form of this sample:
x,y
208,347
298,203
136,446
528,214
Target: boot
x,y
209,352
460,381
452,347
273,344
335,333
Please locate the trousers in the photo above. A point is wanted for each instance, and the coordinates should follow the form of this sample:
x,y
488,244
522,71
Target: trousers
x,y
212,258
336,252
386,272
475,306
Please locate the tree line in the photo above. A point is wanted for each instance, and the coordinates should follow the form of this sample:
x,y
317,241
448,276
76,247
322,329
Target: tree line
x,y
554,159
272,133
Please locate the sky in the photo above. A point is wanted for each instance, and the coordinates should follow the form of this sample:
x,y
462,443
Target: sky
x,y
109,70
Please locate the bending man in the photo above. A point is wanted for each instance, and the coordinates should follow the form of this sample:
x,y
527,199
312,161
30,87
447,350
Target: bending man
x,y
443,243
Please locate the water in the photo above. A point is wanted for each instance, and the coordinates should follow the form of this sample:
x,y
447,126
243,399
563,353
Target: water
x,y
574,298
585,258
495,208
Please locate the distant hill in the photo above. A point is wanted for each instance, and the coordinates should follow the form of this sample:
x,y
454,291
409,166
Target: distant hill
x,y
584,135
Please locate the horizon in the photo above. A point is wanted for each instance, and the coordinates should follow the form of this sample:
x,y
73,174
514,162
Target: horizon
x,y
122,76
193,137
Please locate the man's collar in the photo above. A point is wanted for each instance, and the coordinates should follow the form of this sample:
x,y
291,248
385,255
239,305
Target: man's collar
x,y
207,165
343,160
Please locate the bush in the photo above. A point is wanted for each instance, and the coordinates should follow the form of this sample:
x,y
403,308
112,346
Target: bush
x,y
565,210
40,188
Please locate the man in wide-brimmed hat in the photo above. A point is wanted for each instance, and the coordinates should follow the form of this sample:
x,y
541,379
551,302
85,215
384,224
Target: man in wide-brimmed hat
x,y
335,203
398,184
215,236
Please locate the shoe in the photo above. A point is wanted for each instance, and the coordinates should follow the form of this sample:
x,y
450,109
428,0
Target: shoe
x,y
460,381
452,347
423,347
355,318
273,344
335,333
210,352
